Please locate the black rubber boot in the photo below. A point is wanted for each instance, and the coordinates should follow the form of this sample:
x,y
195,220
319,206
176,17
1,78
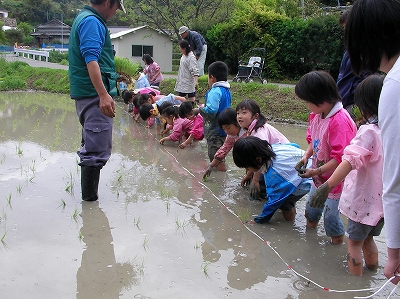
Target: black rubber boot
x,y
90,182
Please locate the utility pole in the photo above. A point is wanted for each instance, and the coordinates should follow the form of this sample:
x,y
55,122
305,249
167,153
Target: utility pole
x,y
62,33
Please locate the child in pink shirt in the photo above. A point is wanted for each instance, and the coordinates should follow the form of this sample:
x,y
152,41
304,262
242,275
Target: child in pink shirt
x,y
197,130
180,126
330,130
152,70
361,167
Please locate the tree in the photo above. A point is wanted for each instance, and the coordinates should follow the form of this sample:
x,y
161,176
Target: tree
x,y
3,38
25,28
167,15
14,35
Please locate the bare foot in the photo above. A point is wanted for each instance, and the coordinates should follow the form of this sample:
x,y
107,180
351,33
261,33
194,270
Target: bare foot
x,y
311,224
289,215
337,240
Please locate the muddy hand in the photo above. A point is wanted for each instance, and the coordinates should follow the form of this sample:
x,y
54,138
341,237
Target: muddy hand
x,y
207,172
254,191
301,167
182,145
319,197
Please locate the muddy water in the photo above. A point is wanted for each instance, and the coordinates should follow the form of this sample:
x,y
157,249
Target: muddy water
x,y
157,230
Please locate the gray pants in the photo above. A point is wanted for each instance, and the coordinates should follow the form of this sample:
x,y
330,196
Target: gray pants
x,y
96,133
202,60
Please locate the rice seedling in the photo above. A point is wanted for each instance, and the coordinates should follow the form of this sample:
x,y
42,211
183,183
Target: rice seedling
x,y
31,179
167,206
41,156
32,167
63,204
3,158
2,240
196,246
9,199
165,193
80,236
120,174
69,188
181,224
140,265
136,222
19,150
19,188
243,214
145,245
205,265
75,215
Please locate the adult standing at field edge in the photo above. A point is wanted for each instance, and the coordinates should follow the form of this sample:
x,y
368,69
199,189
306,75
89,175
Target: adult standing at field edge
x,y
198,44
93,84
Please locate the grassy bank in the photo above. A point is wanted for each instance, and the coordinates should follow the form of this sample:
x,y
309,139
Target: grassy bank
x,y
277,103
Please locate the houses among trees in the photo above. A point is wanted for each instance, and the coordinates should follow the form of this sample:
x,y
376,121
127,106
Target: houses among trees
x,y
299,35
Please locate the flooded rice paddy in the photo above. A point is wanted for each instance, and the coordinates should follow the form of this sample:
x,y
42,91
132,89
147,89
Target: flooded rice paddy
x,y
157,231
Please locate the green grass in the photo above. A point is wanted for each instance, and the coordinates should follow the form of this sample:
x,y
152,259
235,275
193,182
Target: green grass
x,y
277,103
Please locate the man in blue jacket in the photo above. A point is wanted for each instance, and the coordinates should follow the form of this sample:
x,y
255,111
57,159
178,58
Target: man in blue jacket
x,y
198,45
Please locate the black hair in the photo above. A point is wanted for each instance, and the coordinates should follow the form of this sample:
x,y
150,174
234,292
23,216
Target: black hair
x,y
170,110
147,59
184,44
98,2
219,70
144,111
246,151
367,93
163,106
127,95
227,117
185,108
135,101
372,32
144,98
254,108
317,87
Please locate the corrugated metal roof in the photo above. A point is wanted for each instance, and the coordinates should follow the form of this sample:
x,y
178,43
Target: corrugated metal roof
x,y
125,32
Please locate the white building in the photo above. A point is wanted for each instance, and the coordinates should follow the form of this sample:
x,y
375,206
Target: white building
x,y
8,23
132,43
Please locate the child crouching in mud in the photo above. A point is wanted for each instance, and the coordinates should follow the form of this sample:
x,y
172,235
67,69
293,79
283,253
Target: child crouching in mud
x,y
277,161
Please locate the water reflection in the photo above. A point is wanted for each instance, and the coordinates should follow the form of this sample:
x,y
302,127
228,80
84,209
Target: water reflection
x,y
33,116
99,275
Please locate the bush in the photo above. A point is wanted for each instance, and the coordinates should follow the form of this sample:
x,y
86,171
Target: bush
x,y
124,65
57,56
12,83
294,46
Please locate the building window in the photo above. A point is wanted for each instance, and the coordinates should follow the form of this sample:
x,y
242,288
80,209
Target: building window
x,y
139,50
